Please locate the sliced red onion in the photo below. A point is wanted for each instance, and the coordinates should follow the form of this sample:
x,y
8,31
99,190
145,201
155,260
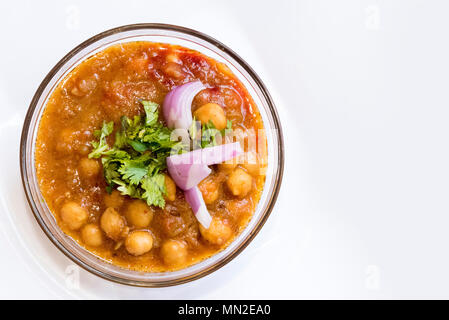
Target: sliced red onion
x,y
188,169
196,201
208,156
187,175
177,107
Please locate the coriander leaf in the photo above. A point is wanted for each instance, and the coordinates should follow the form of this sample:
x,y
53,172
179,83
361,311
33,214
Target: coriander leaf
x,y
109,188
116,154
209,135
99,149
133,170
154,187
194,129
135,163
205,135
127,189
107,129
228,128
110,171
120,139
151,112
138,146
101,146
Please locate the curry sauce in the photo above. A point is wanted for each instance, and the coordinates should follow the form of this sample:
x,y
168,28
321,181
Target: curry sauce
x,y
107,86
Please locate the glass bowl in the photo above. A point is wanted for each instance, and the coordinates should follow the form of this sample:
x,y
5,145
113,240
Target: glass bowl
x,y
166,34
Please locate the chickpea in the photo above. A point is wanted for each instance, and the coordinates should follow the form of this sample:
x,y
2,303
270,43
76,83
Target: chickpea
x,y
91,235
174,58
251,163
66,141
239,182
174,70
84,149
112,223
89,168
170,187
139,65
174,253
139,214
209,189
172,225
84,87
73,215
211,112
114,200
218,233
139,242
223,68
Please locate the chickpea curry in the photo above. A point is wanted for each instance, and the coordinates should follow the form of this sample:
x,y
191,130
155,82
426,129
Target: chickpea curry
x,y
109,156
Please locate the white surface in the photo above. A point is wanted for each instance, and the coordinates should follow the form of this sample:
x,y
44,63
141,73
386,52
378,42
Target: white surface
x,y
361,90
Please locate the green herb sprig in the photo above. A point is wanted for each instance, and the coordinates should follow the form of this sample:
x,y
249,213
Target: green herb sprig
x,y
135,162
204,136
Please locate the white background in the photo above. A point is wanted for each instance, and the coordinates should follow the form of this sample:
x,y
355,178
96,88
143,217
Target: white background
x,y
361,88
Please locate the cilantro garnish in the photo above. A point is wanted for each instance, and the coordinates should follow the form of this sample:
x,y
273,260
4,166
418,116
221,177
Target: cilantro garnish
x,y
101,145
134,164
204,136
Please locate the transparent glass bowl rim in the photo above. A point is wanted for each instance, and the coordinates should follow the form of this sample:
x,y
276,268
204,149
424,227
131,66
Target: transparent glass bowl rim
x,y
81,256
